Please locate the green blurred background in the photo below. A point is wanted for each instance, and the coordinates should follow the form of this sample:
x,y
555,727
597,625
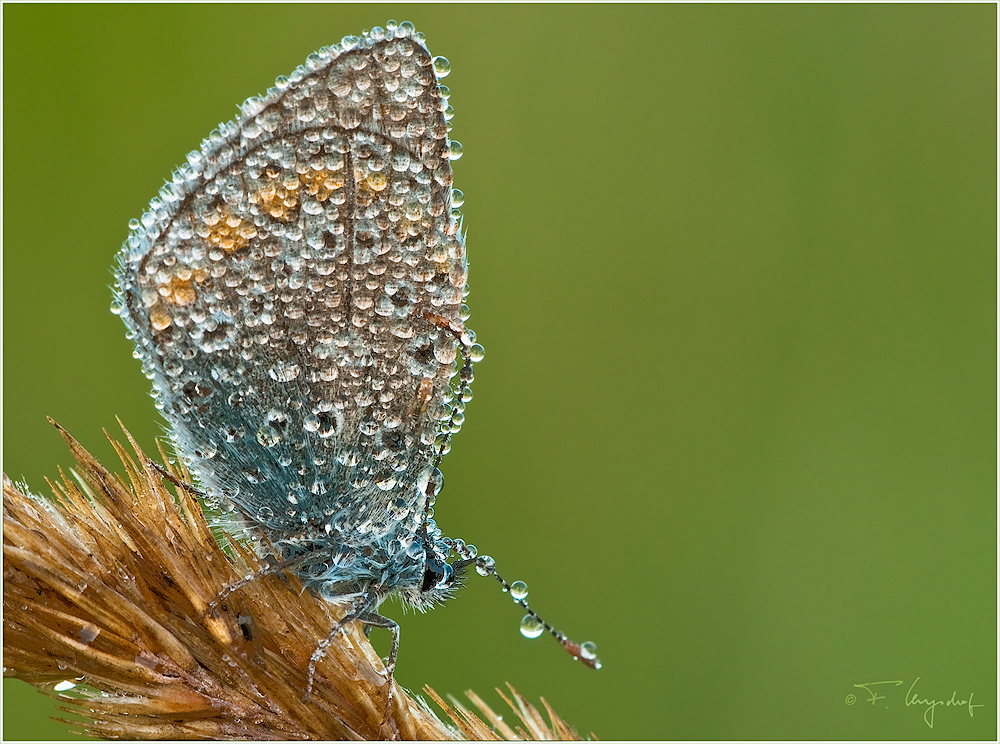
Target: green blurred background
x,y
735,270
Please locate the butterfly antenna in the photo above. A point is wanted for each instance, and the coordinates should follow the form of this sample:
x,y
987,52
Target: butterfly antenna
x,y
532,624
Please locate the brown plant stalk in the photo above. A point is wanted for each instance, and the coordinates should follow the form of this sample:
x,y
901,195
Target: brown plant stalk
x,y
112,584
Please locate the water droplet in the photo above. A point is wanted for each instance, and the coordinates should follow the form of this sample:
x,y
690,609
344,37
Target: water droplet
x,y
268,436
415,550
284,372
588,650
324,423
441,67
518,590
278,419
431,482
484,564
531,626
234,433
64,685
349,457
477,352
455,150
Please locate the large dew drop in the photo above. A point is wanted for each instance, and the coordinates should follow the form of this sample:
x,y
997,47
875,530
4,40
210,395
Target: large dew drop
x,y
268,436
531,626
441,67
484,565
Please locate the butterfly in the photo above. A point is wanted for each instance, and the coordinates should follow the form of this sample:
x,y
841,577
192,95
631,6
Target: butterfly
x,y
295,294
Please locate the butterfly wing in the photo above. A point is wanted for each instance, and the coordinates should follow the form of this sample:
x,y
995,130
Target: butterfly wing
x,y
290,293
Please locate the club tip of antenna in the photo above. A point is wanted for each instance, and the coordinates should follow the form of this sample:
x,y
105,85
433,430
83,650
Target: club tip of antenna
x,y
585,653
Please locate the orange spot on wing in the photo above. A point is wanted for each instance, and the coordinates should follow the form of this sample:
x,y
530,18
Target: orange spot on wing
x,y
279,197
230,232
321,183
425,391
159,318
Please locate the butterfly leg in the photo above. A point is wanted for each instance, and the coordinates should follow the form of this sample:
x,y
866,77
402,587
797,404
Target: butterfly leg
x,y
364,613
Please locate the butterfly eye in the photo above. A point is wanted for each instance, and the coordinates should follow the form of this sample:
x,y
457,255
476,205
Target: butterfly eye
x,y
435,572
